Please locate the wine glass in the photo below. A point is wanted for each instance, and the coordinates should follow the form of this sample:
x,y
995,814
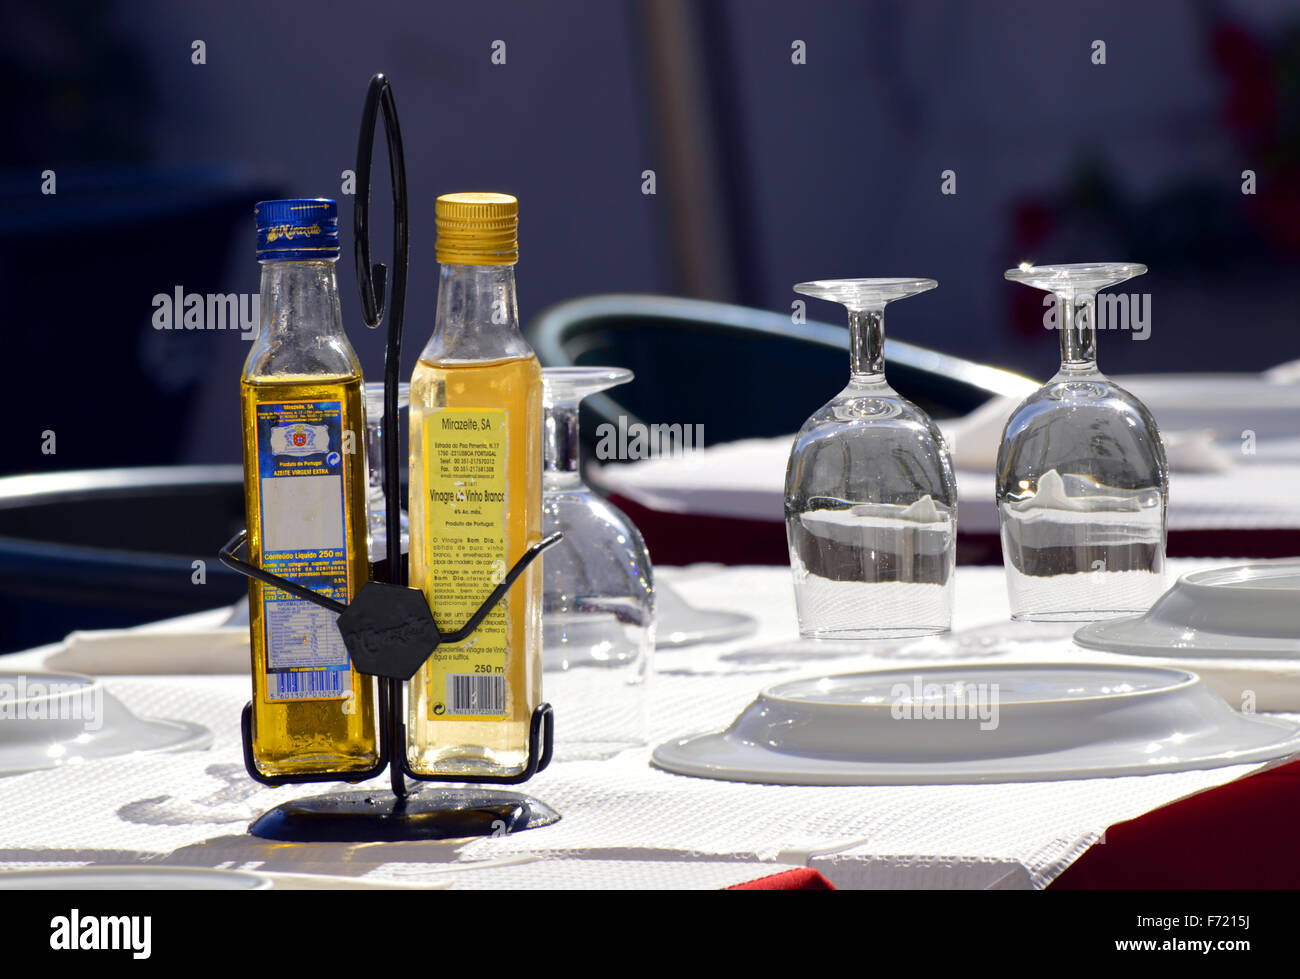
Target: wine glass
x,y
598,585
1082,483
870,499
377,529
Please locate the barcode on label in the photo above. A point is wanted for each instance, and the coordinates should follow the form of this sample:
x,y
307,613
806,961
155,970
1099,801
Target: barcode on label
x,y
469,693
309,684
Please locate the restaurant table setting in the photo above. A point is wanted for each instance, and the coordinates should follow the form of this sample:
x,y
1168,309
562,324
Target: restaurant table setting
x,y
626,823
466,672
891,720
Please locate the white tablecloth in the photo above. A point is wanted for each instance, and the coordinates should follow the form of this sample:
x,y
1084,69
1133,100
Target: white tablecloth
x,y
746,480
624,824
1233,444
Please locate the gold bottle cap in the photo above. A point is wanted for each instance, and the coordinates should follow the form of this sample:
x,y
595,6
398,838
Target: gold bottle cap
x,y
478,229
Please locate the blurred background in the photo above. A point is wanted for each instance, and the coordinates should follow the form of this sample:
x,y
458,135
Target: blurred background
x,y
767,172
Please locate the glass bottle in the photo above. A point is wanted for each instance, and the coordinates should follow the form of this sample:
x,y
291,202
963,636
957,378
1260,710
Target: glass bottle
x,y
476,500
305,500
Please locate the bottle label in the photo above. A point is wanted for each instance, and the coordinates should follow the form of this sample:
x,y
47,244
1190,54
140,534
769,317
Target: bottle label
x,y
305,539
465,477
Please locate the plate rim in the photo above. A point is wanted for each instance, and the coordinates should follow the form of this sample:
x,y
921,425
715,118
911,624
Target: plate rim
x,y
848,774
1189,678
1094,635
194,737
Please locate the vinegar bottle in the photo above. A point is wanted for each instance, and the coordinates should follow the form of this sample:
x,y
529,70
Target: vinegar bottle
x,y
305,500
475,500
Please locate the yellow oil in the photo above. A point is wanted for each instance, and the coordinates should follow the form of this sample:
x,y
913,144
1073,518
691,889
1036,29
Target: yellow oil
x,y
478,746
309,735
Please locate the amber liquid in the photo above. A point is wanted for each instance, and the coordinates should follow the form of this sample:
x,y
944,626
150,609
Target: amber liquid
x,y
478,746
309,735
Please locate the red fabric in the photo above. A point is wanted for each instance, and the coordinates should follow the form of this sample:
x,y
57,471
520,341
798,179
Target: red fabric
x,y
1238,836
802,879
687,538
1241,835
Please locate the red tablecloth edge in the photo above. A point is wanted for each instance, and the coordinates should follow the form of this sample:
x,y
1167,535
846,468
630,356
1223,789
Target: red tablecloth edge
x,y
799,879
1241,835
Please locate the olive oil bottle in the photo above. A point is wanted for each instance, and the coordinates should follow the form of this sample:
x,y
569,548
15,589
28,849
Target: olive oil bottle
x,y
305,500
475,500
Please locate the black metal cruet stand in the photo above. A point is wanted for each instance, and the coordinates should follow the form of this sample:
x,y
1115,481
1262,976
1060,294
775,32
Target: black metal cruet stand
x,y
388,628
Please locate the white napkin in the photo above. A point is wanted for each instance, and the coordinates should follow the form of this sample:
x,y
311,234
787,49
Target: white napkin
x,y
744,479
1288,373
974,439
191,644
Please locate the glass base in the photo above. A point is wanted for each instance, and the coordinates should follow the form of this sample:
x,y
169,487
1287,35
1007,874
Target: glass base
x,y
594,750
1085,596
468,761
299,764
1071,615
884,632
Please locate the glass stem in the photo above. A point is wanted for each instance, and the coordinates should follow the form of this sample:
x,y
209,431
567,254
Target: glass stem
x,y
561,448
375,458
1078,326
867,343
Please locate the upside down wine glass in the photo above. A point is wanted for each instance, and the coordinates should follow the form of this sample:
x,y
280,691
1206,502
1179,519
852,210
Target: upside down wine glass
x,y
598,585
870,499
377,527
1082,482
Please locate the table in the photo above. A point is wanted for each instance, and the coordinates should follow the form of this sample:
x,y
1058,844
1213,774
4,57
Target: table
x,y
625,824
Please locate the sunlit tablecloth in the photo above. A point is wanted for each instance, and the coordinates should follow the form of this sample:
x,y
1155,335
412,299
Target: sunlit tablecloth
x,y
624,824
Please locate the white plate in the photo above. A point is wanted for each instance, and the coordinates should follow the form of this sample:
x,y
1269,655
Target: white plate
x,y
48,720
680,624
132,879
1250,611
1051,722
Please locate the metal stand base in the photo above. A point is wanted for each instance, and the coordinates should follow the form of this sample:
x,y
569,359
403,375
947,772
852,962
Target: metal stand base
x,y
427,814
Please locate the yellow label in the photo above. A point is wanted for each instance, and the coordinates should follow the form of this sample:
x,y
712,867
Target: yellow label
x,y
465,479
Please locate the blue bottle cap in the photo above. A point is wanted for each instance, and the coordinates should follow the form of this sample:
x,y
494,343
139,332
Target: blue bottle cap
x,y
297,230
